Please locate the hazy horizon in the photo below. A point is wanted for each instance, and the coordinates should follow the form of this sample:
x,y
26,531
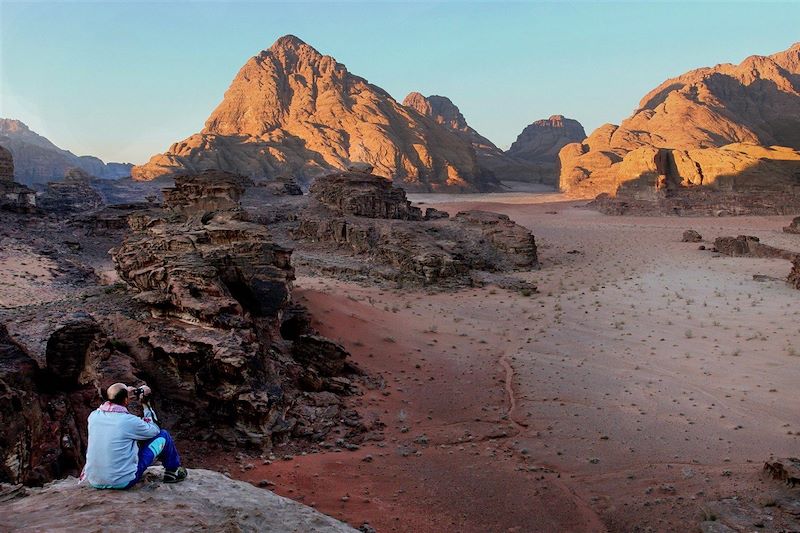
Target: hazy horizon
x,y
122,81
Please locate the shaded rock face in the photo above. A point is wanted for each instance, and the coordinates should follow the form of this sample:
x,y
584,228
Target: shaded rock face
x,y
13,196
43,410
722,127
6,165
503,165
205,501
511,238
357,211
74,194
39,161
217,288
291,111
364,195
541,141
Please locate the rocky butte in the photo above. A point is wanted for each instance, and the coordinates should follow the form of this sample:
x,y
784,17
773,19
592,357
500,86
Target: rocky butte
x,y
721,139
532,158
540,142
291,111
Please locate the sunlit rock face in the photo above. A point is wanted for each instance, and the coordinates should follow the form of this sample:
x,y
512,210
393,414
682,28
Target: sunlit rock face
x,y
728,128
292,111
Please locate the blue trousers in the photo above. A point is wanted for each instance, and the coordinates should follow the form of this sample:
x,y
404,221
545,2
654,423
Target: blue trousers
x,y
159,447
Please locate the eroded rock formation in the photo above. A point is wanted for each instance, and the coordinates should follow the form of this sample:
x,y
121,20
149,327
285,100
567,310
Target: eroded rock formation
x,y
73,194
730,130
291,111
365,195
373,219
218,287
44,405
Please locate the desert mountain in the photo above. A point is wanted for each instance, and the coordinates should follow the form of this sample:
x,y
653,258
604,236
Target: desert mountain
x,y
292,111
37,160
523,166
685,121
541,141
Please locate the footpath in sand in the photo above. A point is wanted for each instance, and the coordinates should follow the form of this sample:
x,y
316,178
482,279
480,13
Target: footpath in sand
x,y
645,379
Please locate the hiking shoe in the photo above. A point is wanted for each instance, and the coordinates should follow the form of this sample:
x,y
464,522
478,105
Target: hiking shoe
x,y
175,476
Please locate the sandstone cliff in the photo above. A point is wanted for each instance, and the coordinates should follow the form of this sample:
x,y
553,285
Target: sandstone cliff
x,y
292,111
709,127
37,160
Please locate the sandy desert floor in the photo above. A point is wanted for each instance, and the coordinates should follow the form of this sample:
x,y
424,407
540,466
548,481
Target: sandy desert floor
x,y
645,378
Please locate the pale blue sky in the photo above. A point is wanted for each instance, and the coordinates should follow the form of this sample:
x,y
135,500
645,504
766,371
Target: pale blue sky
x,y
123,80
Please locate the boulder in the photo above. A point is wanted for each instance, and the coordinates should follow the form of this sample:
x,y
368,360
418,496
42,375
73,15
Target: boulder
x,y
749,246
793,227
511,238
691,235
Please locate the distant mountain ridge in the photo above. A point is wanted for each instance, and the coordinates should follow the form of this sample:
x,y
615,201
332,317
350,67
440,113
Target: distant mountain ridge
x,y
37,160
291,111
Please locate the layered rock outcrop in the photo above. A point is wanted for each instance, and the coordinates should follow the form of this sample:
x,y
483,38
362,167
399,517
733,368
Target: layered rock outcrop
x,y
207,501
292,111
218,289
358,211
728,129
73,194
365,195
38,161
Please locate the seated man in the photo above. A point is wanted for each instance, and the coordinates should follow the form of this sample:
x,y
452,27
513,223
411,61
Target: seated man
x,y
122,445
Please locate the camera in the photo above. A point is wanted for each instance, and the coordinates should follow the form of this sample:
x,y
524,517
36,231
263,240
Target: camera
x,y
138,392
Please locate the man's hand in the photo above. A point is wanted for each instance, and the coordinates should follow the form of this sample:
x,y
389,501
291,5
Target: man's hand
x,y
146,392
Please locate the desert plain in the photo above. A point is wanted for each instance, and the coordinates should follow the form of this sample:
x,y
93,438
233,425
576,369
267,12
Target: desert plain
x,y
646,381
